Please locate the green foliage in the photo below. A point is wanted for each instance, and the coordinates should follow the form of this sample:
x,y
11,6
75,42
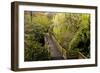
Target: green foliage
x,y
27,17
34,41
82,39
73,54
59,27
34,44
41,20
36,52
72,32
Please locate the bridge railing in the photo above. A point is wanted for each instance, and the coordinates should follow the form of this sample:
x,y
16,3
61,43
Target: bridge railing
x,y
81,56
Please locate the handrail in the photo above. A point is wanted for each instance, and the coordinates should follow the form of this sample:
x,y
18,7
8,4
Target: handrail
x,y
81,56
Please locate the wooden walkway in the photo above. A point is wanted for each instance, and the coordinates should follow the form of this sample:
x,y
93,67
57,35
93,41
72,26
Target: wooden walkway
x,y
56,55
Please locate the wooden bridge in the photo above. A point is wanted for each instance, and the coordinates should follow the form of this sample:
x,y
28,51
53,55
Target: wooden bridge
x,y
56,51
